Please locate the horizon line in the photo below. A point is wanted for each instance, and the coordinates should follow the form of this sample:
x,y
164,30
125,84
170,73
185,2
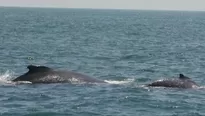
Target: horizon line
x,y
53,7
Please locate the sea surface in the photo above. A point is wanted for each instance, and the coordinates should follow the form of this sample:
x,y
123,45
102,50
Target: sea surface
x,y
126,48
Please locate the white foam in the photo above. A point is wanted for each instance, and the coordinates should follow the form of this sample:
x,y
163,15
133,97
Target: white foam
x,y
199,87
5,78
119,82
22,82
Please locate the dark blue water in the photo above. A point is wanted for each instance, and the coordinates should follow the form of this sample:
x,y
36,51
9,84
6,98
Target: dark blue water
x,y
126,48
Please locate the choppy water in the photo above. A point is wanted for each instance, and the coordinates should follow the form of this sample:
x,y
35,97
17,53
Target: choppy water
x,y
126,48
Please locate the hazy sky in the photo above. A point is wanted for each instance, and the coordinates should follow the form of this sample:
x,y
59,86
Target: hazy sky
x,y
111,4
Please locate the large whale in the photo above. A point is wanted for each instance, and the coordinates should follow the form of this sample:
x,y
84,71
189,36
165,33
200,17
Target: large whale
x,y
180,82
43,74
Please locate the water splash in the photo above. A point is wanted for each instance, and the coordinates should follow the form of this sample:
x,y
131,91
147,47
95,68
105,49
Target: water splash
x,y
22,82
120,82
199,87
5,78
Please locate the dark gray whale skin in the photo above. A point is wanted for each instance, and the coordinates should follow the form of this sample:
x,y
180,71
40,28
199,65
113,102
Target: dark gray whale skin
x,y
180,82
43,74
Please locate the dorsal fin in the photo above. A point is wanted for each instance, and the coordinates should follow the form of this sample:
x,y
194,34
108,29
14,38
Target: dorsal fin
x,y
181,76
33,68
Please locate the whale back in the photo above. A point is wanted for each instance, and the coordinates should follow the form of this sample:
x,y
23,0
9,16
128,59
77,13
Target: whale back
x,y
35,69
43,74
180,82
182,77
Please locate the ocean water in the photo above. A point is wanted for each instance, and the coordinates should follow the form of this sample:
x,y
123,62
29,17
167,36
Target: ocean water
x,y
126,48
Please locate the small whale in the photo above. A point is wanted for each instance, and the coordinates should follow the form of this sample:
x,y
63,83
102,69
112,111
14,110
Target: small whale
x,y
43,74
180,82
